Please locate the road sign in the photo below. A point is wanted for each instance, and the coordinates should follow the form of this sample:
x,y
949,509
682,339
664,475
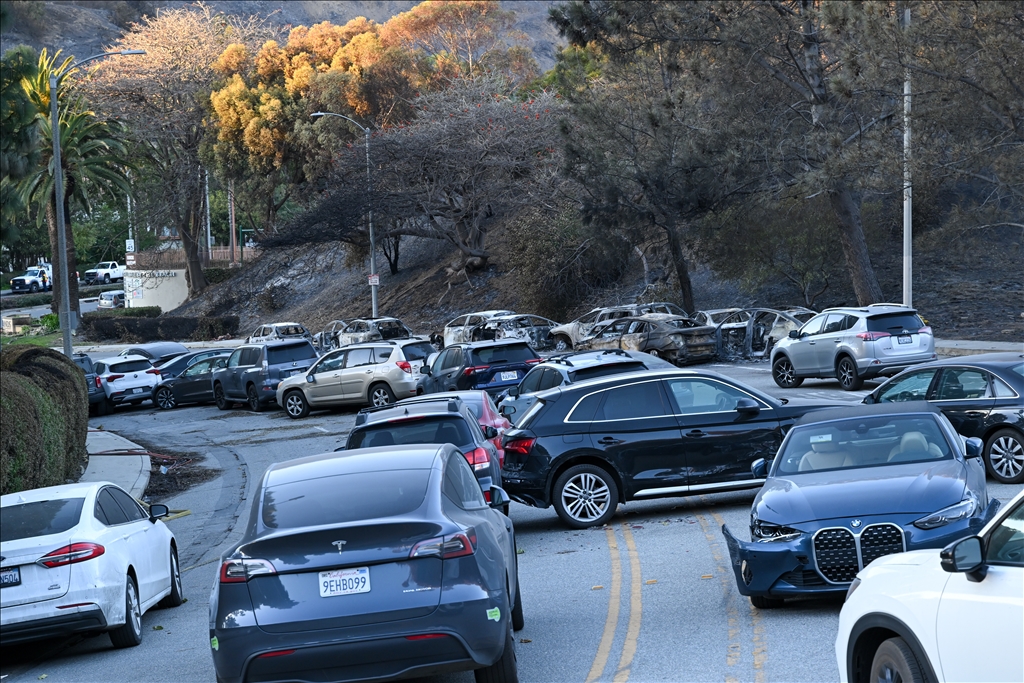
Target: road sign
x,y
129,246
129,258
374,280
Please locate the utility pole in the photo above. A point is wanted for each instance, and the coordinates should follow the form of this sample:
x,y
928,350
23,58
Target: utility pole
x,y
209,238
231,217
908,232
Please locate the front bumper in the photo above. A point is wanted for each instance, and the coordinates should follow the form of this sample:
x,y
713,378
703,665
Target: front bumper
x,y
61,625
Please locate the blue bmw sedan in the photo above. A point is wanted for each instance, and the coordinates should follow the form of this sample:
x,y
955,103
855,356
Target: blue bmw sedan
x,y
850,485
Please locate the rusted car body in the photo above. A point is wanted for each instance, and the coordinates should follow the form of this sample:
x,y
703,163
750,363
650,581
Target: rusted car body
x,y
533,329
677,339
373,329
565,337
752,332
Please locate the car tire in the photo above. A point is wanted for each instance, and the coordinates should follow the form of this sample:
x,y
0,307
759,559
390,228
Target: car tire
x,y
164,399
252,399
784,373
764,602
505,670
654,352
1004,456
129,634
295,404
101,407
585,496
220,399
33,288
846,373
380,395
895,661
518,619
176,597
563,344
106,279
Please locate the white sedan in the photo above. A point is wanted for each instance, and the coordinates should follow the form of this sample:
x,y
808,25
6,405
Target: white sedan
x,y
83,558
954,615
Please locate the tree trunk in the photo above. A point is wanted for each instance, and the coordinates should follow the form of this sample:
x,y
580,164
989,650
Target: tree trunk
x,y
855,247
191,231
675,249
57,284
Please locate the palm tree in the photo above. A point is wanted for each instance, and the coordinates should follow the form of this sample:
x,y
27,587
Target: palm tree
x,y
93,161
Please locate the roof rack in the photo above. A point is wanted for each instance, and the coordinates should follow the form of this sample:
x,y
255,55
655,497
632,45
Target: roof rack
x,y
617,352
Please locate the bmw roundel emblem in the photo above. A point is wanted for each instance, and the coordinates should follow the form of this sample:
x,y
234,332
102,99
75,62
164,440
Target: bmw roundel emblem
x,y
855,524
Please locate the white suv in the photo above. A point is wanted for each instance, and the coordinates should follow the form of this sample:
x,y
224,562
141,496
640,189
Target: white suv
x,y
125,379
950,615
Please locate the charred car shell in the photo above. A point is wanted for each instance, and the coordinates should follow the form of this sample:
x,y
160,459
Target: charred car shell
x,y
752,332
677,339
565,337
373,329
533,329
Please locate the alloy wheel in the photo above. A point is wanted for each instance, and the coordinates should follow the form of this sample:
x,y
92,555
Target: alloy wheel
x,y
1007,456
561,344
165,399
293,405
134,611
176,573
847,375
381,396
784,374
586,497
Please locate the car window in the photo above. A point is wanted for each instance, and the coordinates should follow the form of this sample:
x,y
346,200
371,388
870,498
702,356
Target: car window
x,y
551,378
130,507
637,327
417,351
1001,389
531,382
109,509
962,383
633,401
39,518
290,353
850,322
199,368
911,387
833,323
381,354
131,366
359,357
813,325
331,363
895,323
344,498
235,359
589,318
695,395
1006,542
458,322
432,429
505,353
461,484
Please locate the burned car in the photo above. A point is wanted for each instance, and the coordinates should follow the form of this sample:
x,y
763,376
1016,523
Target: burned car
x,y
565,337
372,329
327,338
278,332
752,332
677,339
461,329
533,329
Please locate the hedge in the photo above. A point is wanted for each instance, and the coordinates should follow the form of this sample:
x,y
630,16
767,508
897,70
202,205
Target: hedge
x,y
44,418
166,328
140,312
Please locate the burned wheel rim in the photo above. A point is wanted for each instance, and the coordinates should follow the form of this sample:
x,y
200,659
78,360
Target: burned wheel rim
x,y
586,497
165,399
784,373
294,405
1006,455
561,344
654,352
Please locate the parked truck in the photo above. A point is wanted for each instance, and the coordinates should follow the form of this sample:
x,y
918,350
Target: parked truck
x,y
105,272
33,280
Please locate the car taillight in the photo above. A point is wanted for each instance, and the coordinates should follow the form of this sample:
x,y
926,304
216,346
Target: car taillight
x,y
153,371
521,445
111,378
872,336
240,571
475,369
264,369
925,330
99,382
71,554
448,547
479,458
404,366
531,361
275,653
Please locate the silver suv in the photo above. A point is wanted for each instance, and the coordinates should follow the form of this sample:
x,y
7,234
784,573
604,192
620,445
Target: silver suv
x,y
377,373
853,344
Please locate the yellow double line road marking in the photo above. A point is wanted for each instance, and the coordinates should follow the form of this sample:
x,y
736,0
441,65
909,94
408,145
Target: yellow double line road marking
x,y
629,645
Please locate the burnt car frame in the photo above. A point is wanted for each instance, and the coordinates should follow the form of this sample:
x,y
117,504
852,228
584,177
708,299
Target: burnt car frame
x,y
535,330
564,337
752,332
362,330
677,339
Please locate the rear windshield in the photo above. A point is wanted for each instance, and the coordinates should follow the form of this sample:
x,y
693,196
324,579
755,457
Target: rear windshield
x,y
604,371
681,323
507,353
344,498
110,295
290,331
290,353
1018,369
894,323
418,351
131,366
391,330
41,518
438,430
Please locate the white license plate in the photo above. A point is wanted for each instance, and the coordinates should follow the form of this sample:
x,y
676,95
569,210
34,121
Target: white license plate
x,y
10,576
509,376
904,339
137,390
344,582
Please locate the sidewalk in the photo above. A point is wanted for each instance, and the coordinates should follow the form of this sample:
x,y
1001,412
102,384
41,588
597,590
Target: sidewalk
x,y
953,347
130,472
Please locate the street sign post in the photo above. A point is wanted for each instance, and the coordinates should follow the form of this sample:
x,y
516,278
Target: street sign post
x,y
129,246
374,280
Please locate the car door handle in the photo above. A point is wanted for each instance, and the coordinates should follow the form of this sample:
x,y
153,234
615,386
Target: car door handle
x,y
610,441
369,372
837,341
125,537
696,433
812,343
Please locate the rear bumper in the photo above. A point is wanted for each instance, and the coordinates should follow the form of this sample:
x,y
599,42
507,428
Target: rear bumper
x,y
885,367
53,627
119,397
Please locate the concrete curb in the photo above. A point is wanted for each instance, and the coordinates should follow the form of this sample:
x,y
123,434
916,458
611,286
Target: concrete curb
x,y
130,472
953,347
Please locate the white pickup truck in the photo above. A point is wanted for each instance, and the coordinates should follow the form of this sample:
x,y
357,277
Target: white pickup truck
x,y
32,280
105,272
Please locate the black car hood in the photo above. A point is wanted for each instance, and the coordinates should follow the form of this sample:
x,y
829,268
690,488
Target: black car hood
x,y
909,488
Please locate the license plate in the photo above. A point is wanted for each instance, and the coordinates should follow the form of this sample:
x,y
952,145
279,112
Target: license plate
x,y
509,376
344,582
904,339
10,576
137,390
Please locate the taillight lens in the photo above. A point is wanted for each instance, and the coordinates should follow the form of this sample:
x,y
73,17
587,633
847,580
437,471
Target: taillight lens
x,y
240,571
153,371
872,336
71,554
447,547
404,366
521,445
925,330
479,458
475,369
99,382
111,378
264,369
531,361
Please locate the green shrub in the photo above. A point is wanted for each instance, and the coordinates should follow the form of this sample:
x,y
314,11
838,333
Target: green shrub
x,y
44,418
218,275
50,321
167,328
140,312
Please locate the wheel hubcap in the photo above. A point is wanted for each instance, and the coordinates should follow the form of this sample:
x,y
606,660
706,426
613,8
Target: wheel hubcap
x,y
845,373
176,573
1007,456
785,372
380,397
889,675
133,608
585,497
294,405
165,398
253,399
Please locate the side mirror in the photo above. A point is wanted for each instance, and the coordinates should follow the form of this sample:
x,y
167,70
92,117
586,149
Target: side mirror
x,y
759,468
964,556
490,432
424,369
311,379
794,334
507,410
499,499
747,406
513,391
973,447
869,399
156,511
222,363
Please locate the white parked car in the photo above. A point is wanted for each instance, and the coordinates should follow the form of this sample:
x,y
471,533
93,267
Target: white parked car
x,y
277,332
950,615
125,379
83,558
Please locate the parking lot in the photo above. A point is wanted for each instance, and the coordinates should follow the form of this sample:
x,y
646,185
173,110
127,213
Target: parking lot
x,y
650,596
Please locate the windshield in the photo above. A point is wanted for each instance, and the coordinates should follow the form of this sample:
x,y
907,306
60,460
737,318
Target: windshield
x,y
290,353
99,266
680,324
40,518
506,353
863,442
414,430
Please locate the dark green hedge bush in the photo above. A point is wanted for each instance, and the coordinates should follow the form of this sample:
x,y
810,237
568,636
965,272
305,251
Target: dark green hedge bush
x,y
218,275
167,328
44,418
140,312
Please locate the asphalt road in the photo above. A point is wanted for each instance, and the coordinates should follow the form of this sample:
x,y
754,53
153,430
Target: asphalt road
x,y
87,306
648,598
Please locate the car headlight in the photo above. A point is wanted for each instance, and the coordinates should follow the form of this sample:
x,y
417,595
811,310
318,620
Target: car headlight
x,y
765,532
962,510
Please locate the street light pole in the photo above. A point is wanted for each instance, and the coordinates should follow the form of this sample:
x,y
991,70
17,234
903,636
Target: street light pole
x,y
369,193
58,190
